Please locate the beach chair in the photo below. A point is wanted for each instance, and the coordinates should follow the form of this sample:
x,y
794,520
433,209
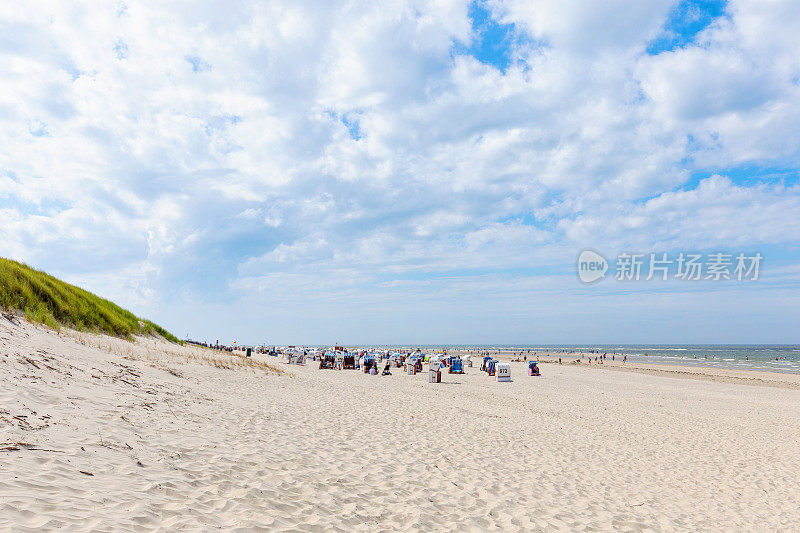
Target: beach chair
x,y
370,364
327,360
456,366
503,371
435,372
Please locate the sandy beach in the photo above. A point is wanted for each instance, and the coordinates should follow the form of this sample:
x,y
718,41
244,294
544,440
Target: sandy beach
x,y
103,434
220,222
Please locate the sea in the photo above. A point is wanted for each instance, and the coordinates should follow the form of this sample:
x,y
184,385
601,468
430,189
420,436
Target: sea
x,y
766,357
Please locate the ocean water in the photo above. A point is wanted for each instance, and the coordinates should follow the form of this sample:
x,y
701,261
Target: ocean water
x,y
775,358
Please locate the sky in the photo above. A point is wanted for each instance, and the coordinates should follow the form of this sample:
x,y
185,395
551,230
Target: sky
x,y
407,172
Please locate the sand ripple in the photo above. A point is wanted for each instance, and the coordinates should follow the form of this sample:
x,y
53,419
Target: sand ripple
x,y
116,442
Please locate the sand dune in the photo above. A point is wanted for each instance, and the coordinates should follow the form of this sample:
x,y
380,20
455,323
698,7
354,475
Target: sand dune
x,y
102,434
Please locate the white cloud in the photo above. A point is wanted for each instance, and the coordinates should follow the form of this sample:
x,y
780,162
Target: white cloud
x,y
736,90
717,214
589,27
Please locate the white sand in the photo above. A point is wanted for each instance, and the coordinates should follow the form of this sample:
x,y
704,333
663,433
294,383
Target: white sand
x,y
577,449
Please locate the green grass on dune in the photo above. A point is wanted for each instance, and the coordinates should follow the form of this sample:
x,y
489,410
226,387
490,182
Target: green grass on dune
x,y
49,301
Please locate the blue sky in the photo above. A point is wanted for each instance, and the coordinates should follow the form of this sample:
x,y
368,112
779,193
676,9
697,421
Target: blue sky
x,y
414,172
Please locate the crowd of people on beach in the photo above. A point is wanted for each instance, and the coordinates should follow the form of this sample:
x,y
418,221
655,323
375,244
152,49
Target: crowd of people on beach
x,y
602,358
590,356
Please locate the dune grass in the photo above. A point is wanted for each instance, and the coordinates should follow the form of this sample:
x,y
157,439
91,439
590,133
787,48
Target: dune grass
x,y
46,300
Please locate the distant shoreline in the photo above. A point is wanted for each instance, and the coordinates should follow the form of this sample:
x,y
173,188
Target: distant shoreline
x,y
721,373
766,378
758,358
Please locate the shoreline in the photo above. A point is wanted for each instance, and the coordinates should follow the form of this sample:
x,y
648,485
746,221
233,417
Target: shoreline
x,y
720,374
761,377
717,374
767,378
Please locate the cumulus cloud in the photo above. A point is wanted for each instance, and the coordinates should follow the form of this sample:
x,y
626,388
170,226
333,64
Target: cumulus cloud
x,y
597,27
735,90
716,215
350,152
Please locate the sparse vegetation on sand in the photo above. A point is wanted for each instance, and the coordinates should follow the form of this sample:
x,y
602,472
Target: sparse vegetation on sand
x,y
161,354
223,360
46,300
